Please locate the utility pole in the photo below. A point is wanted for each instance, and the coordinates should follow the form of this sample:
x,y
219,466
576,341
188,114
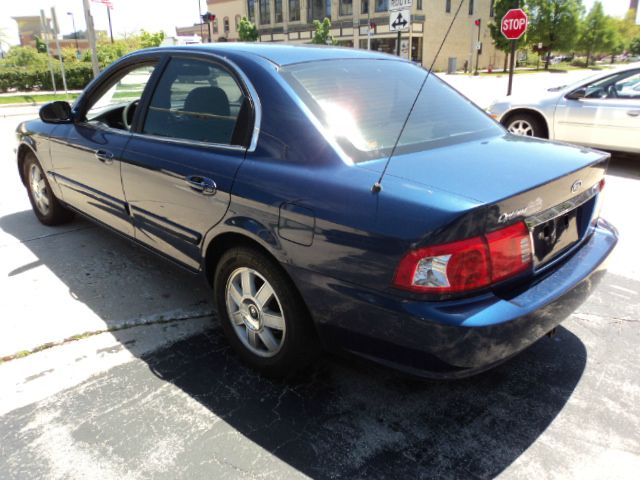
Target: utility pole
x,y
56,31
43,24
91,35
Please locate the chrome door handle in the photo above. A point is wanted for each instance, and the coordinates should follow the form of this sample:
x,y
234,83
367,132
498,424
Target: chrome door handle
x,y
104,156
203,185
633,113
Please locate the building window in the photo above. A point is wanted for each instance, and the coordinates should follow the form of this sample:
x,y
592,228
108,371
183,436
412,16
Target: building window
x,y
237,22
364,6
294,10
265,13
215,26
382,5
320,9
491,13
447,6
251,9
225,24
470,7
419,4
277,9
346,7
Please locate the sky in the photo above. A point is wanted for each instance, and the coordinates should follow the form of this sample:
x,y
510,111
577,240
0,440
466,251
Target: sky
x,y
129,16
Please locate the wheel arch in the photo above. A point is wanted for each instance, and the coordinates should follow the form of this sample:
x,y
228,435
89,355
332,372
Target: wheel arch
x,y
23,150
528,111
231,239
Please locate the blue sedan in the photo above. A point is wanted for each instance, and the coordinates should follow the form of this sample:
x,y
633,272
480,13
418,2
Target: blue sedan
x,y
330,201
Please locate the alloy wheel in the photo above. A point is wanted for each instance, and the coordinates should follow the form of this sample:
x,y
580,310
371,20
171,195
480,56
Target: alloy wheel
x,y
521,127
39,190
255,312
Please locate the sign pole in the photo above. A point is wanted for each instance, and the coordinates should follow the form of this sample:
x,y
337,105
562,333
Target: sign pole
x,y
398,43
511,65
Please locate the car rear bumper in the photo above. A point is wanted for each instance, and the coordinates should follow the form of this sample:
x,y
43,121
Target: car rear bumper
x,y
458,338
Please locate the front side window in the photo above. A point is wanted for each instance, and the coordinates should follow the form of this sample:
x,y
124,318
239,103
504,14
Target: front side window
x,y
265,14
294,10
195,100
346,7
364,103
122,93
623,85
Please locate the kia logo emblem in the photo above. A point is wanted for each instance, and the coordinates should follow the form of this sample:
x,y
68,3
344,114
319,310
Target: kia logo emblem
x,y
576,186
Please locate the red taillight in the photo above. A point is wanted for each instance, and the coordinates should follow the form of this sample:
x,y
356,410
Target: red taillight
x,y
468,264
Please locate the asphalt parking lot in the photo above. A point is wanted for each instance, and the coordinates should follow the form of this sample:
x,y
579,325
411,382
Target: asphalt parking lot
x,y
160,395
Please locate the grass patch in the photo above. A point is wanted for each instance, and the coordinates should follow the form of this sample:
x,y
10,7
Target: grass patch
x,y
36,99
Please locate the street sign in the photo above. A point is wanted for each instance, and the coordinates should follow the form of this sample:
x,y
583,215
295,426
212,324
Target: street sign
x,y
399,20
400,4
514,24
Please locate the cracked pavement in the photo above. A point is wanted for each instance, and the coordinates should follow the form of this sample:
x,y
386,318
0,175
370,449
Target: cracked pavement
x,y
155,392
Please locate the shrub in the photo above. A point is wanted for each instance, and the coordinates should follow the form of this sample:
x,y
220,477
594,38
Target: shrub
x,y
32,78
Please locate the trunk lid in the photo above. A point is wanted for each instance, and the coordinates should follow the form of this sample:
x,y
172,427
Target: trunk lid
x,y
552,187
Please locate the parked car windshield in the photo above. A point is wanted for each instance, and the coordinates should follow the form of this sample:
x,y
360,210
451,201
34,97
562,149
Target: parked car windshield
x,y
364,103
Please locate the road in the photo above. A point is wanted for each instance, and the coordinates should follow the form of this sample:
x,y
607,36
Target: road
x,y
162,396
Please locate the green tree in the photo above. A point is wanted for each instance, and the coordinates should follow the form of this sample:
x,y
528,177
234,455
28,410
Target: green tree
x,y
322,34
41,46
554,23
597,33
149,40
626,28
500,8
634,48
247,31
25,57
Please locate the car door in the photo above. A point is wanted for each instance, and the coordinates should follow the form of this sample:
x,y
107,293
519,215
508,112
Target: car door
x,y
86,154
607,116
179,166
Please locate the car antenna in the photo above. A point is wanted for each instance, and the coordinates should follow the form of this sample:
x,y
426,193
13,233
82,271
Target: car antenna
x,y
377,187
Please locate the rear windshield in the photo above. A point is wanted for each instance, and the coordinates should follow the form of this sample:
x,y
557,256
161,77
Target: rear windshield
x,y
363,104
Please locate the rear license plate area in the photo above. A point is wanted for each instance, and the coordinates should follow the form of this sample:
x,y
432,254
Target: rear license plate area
x,y
554,236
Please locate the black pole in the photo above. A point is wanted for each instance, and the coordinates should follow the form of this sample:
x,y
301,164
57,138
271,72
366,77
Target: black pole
x,y
477,48
398,43
75,32
511,63
109,16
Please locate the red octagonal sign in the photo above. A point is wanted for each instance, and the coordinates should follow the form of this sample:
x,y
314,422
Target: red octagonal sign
x,y
514,23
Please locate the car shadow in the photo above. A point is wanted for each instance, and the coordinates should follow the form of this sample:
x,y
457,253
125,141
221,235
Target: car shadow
x,y
624,165
342,417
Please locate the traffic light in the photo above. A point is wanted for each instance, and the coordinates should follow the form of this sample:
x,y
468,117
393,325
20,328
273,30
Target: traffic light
x,y
477,22
208,17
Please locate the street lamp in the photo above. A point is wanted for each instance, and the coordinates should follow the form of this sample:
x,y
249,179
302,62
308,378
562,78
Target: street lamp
x,y
75,34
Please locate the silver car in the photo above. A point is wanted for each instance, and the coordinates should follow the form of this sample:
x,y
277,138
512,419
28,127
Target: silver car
x,y
602,111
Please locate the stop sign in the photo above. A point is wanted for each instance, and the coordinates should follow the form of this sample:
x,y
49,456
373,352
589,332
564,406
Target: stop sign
x,y
514,23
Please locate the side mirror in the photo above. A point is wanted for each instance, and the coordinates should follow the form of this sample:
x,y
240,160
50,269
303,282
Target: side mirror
x,y
576,94
56,112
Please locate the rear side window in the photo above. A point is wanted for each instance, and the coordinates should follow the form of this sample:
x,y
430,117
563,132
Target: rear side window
x,y
195,100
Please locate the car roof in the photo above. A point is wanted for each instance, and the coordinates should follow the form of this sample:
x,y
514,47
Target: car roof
x,y
281,54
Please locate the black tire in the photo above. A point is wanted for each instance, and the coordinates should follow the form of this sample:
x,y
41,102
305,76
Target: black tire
x,y
298,345
54,213
520,123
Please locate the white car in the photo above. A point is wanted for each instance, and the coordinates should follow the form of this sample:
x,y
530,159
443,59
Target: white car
x,y
602,111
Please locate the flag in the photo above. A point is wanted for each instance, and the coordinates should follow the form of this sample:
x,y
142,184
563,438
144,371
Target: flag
x,y
105,2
